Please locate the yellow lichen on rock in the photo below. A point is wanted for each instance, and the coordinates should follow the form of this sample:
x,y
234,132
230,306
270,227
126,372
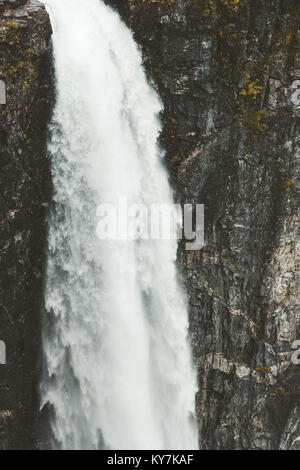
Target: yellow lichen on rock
x,y
251,88
254,120
232,4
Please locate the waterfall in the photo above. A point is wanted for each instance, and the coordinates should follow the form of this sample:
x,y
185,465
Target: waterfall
x,y
118,372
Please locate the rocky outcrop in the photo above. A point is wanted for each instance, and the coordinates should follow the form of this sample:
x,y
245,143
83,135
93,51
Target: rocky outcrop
x,y
25,97
11,4
228,72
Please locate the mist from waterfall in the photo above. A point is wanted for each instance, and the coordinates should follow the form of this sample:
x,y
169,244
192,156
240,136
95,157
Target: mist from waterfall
x,y
118,372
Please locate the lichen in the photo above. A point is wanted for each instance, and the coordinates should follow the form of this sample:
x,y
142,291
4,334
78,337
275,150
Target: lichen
x,y
231,4
251,87
14,69
12,25
254,120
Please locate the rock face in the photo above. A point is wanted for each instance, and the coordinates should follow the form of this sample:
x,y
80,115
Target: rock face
x,y
228,72
25,103
11,4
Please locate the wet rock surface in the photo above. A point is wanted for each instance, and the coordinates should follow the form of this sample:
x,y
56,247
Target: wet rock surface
x,y
10,4
228,73
25,97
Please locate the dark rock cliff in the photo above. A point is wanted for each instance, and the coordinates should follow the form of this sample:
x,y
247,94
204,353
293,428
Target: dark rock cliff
x,y
25,97
227,72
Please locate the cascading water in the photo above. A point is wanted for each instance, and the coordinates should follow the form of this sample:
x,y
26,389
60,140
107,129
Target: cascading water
x,y
118,371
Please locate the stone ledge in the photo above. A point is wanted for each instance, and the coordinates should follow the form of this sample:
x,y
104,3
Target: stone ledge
x,y
20,9
10,4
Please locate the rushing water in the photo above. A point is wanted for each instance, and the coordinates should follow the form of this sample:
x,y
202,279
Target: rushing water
x,y
118,371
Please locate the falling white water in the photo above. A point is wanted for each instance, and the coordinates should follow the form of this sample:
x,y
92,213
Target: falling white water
x,y
118,371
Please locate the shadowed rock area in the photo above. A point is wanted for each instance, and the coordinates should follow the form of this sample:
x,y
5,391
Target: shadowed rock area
x,y
25,97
